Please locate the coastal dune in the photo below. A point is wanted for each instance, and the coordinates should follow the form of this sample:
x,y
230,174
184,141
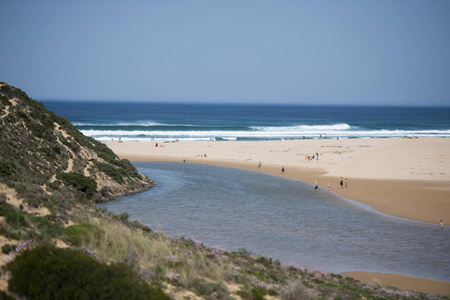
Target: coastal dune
x,y
406,178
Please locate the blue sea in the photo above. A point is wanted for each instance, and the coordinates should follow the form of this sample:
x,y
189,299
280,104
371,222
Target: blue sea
x,y
139,121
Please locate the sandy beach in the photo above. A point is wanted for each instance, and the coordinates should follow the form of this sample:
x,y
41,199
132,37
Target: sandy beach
x,y
407,178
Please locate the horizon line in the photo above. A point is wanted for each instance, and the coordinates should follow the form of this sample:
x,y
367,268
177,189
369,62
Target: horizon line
x,y
243,103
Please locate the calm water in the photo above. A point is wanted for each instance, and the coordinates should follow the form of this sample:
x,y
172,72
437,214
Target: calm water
x,y
286,220
139,121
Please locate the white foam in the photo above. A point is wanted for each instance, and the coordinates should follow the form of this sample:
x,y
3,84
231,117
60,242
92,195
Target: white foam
x,y
303,128
225,134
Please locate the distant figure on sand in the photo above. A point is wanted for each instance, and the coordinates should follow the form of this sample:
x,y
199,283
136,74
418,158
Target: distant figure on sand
x,y
341,183
441,226
259,165
282,170
346,182
328,186
316,188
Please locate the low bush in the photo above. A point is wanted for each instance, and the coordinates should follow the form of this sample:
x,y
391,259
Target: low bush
x,y
16,219
79,235
46,272
79,181
5,296
258,293
112,171
211,290
7,248
48,229
294,291
6,169
5,101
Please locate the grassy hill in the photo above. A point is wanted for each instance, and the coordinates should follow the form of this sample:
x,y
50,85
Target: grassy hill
x,y
57,244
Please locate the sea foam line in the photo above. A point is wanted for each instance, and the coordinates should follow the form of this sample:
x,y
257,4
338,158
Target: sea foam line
x,y
263,134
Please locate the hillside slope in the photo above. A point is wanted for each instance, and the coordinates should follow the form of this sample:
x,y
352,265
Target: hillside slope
x,y
41,148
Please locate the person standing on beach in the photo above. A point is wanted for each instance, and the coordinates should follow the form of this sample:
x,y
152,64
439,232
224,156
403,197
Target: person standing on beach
x,y
441,226
259,165
316,188
328,186
282,170
341,183
346,182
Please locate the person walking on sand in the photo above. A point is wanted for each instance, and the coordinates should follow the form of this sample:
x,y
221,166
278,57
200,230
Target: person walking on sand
x,y
328,186
282,170
316,188
259,165
346,182
341,183
441,226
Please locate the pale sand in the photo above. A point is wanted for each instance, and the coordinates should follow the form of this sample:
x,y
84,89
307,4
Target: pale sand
x,y
408,178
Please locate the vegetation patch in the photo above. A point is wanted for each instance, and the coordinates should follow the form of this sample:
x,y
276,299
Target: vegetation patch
x,y
82,234
112,171
79,181
47,272
6,169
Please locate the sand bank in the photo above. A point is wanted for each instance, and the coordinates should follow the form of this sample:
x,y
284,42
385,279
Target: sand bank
x,y
408,178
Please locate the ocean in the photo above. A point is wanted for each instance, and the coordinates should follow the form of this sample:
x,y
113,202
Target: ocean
x,y
140,121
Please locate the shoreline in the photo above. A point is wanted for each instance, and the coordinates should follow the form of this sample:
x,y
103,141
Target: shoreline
x,y
418,195
405,178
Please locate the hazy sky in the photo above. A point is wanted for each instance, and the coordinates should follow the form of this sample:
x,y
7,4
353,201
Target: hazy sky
x,y
314,52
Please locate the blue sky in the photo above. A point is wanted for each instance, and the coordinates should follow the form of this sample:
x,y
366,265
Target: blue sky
x,y
303,52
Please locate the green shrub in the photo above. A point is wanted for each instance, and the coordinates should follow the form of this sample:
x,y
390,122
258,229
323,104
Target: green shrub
x,y
5,296
6,169
46,272
258,293
104,152
16,219
5,101
5,207
128,168
54,185
79,235
210,289
79,181
111,171
7,248
244,294
48,229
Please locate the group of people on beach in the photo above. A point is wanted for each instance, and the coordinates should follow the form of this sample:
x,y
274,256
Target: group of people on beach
x,y
341,183
313,157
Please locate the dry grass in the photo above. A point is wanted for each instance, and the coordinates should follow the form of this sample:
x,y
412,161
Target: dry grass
x,y
177,261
